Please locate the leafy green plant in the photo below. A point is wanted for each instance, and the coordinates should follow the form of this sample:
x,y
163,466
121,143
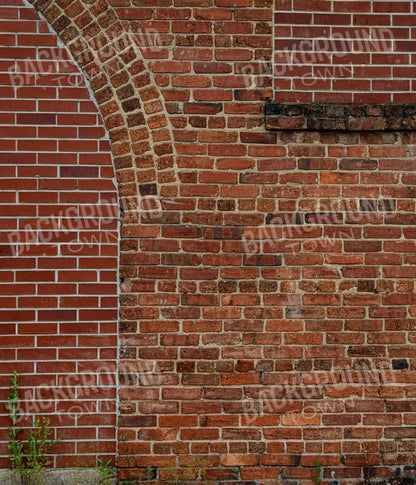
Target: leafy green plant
x,y
15,445
317,472
31,462
106,471
39,445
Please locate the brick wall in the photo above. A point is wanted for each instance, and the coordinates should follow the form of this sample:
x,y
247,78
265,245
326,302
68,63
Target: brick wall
x,y
59,243
344,52
267,296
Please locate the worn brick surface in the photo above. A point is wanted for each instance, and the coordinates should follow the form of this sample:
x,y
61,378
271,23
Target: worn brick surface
x,y
266,278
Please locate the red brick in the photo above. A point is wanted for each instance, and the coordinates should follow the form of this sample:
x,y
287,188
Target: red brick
x,y
210,290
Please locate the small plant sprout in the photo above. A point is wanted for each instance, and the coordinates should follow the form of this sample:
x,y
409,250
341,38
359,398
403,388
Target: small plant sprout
x,y
106,471
317,472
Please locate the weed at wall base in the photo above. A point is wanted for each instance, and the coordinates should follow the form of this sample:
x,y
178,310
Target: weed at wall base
x,y
31,461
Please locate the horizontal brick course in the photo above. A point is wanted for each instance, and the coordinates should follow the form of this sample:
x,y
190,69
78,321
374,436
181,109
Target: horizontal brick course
x,y
332,42
340,117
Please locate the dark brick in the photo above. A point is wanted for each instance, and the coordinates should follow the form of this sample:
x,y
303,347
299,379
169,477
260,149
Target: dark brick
x,y
358,164
148,189
61,23
366,286
399,364
226,205
130,105
104,95
136,119
355,110
203,108
125,92
79,171
340,117
262,260
369,205
36,118
6,250
266,138
138,421
289,218
123,162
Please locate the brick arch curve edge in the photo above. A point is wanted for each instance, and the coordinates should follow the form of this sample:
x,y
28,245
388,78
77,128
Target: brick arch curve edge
x,y
130,103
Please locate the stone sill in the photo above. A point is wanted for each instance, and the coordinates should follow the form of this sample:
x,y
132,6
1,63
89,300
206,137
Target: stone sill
x,y
58,476
340,117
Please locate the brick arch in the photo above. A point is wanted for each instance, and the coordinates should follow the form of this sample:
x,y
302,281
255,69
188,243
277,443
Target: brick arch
x,y
131,105
134,114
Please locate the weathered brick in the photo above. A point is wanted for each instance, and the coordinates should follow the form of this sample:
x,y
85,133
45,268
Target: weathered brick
x,y
286,262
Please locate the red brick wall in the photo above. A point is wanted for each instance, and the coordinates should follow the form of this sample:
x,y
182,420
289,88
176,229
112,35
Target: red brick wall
x,y
279,334
267,301
59,243
344,52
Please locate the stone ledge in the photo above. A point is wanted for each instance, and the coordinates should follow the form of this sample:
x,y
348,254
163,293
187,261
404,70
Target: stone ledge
x,y
61,476
340,117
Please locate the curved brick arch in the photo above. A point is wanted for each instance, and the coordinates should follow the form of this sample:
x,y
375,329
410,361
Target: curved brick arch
x,y
132,107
